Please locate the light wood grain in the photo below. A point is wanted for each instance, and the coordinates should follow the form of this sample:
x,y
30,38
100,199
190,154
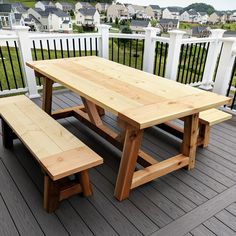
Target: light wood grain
x,y
159,169
59,152
138,97
213,116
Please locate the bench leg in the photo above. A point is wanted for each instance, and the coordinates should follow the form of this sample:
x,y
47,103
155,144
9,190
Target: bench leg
x,y
204,134
7,135
51,194
85,184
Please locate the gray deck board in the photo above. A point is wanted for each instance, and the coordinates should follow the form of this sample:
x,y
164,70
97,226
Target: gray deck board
x,y
197,202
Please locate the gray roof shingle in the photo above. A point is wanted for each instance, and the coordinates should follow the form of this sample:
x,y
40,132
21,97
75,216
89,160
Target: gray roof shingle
x,y
5,7
87,11
141,23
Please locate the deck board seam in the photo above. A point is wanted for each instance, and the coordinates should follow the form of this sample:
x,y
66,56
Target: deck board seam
x,y
171,229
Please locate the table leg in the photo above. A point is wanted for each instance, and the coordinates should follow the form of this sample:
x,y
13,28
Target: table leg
x,y
47,95
131,148
189,144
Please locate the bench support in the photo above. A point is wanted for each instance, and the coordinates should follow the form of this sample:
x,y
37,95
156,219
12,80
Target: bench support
x,y
7,135
56,191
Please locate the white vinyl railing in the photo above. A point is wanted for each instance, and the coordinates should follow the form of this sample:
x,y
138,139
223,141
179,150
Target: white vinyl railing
x,y
100,41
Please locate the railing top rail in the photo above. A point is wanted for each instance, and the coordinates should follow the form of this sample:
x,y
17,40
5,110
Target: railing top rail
x,y
8,37
126,36
66,36
161,39
198,40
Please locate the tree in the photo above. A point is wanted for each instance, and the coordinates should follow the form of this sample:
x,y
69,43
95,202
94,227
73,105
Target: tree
x,y
116,21
126,30
105,20
153,22
201,7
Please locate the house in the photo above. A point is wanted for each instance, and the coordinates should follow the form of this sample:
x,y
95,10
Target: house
x,y
232,17
52,19
65,6
117,11
203,17
201,31
33,23
88,17
171,13
20,8
19,20
217,17
102,7
153,11
7,16
80,5
190,16
138,26
168,24
44,5
137,11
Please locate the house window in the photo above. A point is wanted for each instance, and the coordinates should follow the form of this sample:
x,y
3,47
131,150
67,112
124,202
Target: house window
x,y
69,25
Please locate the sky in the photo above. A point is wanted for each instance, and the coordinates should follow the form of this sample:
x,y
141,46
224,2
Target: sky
x,y
217,4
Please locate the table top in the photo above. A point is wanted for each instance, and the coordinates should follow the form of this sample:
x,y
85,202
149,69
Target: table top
x,y
140,98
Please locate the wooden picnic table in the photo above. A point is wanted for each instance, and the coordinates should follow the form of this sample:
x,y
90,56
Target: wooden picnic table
x,y
139,100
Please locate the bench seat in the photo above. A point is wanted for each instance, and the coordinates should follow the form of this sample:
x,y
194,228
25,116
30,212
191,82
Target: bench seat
x,y
59,152
207,119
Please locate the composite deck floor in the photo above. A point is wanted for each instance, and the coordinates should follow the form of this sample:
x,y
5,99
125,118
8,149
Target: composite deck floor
x,y
197,202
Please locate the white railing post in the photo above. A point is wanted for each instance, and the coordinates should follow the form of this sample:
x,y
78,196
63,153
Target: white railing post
x,y
226,63
213,53
104,42
25,53
176,37
149,49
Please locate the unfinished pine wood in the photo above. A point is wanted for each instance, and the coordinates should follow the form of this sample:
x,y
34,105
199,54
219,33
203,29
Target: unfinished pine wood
x,y
47,95
56,149
140,98
213,116
128,161
189,144
159,169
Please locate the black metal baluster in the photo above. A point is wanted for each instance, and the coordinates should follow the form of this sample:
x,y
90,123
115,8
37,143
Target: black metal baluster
x,y
124,53
96,45
202,47
35,53
4,68
231,78
91,47
204,63
55,48
194,65
156,55
49,54
85,46
136,54
165,57
68,48
41,49
62,54
79,47
142,54
19,64
112,49
130,52
73,42
159,69
180,62
12,67
189,62
185,59
118,53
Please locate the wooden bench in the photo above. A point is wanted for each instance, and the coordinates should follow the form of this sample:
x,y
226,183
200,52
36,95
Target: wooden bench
x,y
206,120
59,153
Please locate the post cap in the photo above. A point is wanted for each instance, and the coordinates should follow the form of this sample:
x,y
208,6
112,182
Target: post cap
x,y
103,26
217,32
177,32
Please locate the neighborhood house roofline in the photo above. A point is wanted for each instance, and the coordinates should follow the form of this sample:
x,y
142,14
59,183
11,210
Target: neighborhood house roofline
x,y
168,21
175,9
141,23
87,11
5,7
155,7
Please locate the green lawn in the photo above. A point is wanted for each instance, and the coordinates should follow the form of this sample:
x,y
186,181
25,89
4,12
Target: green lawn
x,y
189,69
